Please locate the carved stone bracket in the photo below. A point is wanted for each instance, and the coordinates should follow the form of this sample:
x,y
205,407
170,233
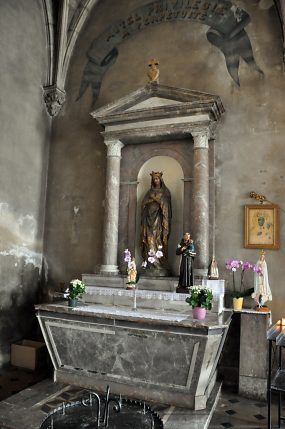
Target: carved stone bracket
x,y
54,99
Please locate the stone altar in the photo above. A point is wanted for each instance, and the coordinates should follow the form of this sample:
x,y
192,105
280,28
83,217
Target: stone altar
x,y
158,355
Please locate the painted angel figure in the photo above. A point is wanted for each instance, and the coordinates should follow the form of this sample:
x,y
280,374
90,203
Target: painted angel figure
x,y
262,291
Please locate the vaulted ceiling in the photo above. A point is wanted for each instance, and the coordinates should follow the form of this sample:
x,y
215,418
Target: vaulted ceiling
x,y
64,21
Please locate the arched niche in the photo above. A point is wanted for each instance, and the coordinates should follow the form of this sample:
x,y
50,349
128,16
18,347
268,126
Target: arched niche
x,y
173,177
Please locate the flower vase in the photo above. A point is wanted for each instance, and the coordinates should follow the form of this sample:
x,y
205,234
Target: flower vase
x,y
237,303
199,313
72,302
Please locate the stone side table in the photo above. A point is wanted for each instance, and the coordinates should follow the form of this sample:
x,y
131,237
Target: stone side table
x,y
248,353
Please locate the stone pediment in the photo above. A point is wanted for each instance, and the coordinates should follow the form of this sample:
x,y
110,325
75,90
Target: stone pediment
x,y
159,101
153,102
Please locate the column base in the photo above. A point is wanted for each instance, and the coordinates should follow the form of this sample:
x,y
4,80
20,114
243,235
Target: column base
x,y
109,270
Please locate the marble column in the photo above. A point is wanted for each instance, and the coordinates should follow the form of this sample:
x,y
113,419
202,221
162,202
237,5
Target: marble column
x,y
201,200
111,217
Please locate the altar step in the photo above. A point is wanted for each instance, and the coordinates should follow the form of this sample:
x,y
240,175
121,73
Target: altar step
x,y
151,293
168,284
145,299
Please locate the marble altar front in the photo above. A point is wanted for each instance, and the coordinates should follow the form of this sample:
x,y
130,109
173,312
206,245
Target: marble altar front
x,y
159,355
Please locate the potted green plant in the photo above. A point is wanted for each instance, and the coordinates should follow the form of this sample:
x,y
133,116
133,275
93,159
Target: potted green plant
x,y
200,300
75,290
238,294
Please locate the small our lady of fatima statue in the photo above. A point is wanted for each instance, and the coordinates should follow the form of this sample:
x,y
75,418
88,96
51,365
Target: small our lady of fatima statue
x,y
153,70
213,270
262,292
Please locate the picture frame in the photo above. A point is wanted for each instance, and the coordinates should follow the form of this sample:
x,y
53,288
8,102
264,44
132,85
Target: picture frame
x,y
261,226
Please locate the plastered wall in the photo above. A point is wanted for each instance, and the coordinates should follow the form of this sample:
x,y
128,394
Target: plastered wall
x,y
249,142
24,146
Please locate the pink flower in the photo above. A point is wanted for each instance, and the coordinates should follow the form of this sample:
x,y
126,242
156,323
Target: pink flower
x,y
159,254
246,266
144,264
233,264
128,256
131,264
151,252
151,259
257,269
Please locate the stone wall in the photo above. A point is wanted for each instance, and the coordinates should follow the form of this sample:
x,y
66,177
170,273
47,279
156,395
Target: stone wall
x,y
249,141
23,164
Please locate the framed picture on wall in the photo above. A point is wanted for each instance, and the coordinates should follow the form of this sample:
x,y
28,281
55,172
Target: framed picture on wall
x,y
261,226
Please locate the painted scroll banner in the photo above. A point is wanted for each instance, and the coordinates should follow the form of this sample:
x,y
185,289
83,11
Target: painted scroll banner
x,y
226,32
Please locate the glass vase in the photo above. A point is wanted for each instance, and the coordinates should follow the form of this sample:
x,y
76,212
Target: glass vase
x,y
72,302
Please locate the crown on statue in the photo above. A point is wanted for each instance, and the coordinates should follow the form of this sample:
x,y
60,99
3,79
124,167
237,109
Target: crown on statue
x,y
262,252
156,174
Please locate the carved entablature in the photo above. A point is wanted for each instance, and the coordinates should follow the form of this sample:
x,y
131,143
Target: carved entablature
x,y
159,111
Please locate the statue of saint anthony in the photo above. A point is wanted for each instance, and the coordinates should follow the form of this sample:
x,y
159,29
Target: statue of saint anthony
x,y
186,249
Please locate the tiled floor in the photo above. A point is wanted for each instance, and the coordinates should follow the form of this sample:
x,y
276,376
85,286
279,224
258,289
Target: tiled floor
x,y
13,380
232,411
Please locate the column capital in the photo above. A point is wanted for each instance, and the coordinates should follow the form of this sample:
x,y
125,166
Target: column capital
x,y
114,147
201,139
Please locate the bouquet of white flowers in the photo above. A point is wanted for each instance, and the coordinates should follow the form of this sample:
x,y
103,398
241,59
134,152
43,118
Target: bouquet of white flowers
x,y
75,289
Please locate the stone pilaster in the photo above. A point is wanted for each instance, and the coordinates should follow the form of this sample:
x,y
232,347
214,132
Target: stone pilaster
x,y
201,199
111,219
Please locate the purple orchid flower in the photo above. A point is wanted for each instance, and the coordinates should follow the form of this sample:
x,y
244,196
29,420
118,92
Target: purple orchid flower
x,y
235,264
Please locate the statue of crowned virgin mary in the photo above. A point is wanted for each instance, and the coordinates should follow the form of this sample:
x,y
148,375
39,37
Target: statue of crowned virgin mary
x,y
156,216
